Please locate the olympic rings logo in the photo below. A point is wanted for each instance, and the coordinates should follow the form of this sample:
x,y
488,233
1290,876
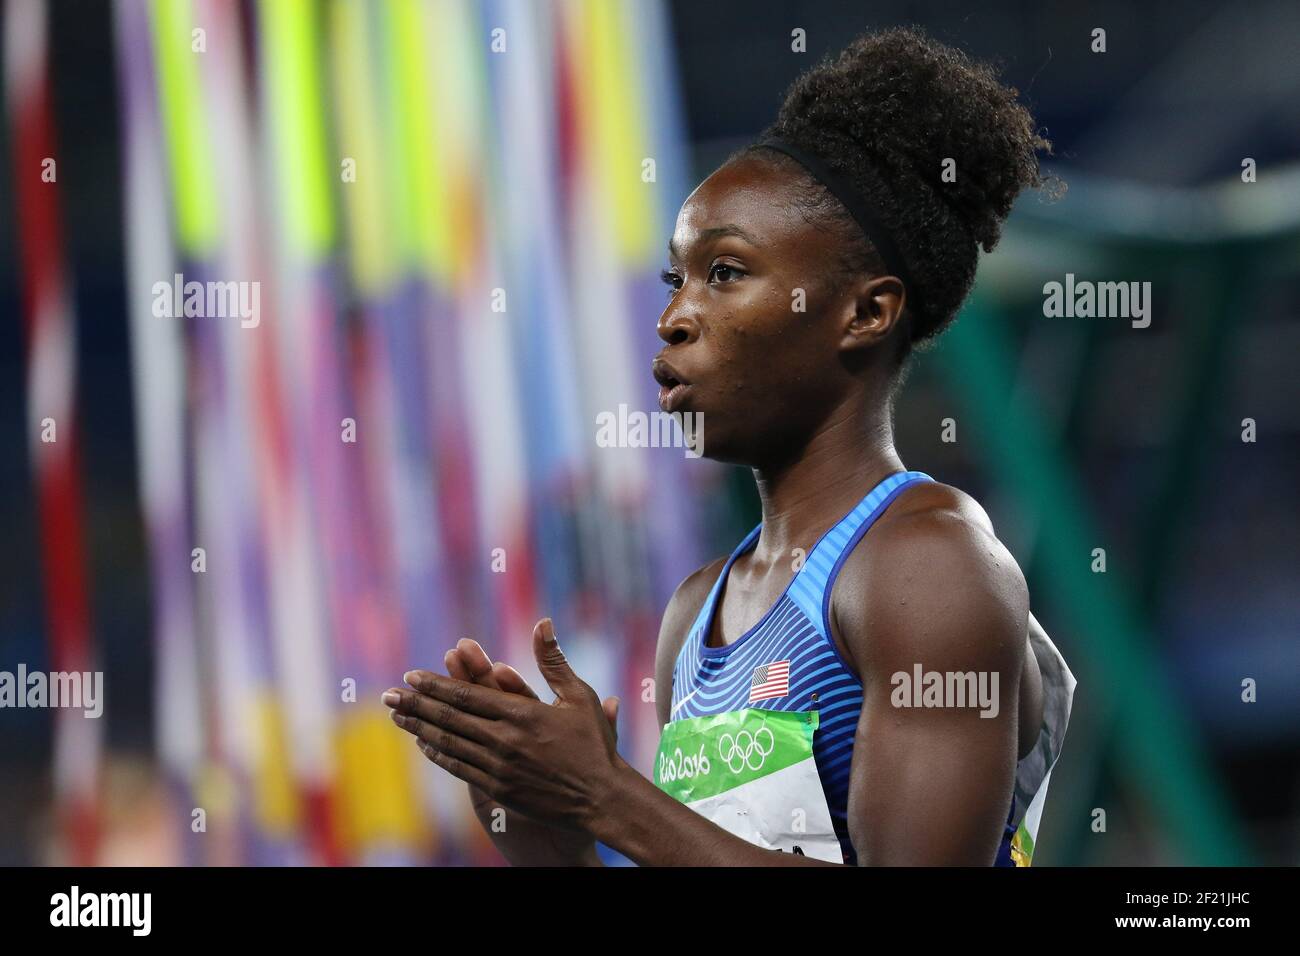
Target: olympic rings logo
x,y
740,751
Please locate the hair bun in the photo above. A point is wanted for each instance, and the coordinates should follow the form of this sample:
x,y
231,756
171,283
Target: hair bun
x,y
932,140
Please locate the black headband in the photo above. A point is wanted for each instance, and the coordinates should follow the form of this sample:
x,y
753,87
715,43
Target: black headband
x,y
857,207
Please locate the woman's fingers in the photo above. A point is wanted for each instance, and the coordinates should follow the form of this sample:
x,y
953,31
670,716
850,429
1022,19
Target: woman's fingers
x,y
511,681
448,742
414,705
474,658
455,665
459,667
468,661
610,706
457,767
466,698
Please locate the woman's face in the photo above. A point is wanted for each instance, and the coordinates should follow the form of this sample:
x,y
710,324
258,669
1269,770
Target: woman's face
x,y
753,335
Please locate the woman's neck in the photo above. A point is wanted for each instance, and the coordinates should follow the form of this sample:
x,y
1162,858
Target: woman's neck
x,y
849,454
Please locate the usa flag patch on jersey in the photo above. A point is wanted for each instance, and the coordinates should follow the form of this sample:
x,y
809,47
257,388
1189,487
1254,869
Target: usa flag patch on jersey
x,y
769,681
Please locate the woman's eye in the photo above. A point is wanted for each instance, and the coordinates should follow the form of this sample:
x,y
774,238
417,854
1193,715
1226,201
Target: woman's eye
x,y
719,272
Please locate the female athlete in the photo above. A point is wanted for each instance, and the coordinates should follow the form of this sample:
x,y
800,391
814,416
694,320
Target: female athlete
x,y
861,680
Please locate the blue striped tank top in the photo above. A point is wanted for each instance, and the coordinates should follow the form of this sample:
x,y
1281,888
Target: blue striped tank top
x,y
796,629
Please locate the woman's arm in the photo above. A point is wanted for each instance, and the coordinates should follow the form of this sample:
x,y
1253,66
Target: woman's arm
x,y
651,828
939,598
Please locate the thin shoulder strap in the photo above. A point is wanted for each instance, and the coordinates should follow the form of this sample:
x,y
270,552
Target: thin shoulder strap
x,y
811,588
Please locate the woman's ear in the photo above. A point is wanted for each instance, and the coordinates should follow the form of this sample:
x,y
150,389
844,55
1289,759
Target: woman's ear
x,y
872,310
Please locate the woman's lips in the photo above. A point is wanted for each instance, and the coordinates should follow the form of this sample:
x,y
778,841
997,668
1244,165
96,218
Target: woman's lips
x,y
671,396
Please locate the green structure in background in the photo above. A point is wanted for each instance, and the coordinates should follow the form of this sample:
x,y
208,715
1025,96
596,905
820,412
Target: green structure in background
x,y
1225,238
1157,747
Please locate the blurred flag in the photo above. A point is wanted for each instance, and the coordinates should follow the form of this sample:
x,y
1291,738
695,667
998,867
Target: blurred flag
x,y
453,213
50,326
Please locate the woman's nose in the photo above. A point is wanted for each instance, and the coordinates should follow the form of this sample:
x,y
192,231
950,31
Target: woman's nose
x,y
676,326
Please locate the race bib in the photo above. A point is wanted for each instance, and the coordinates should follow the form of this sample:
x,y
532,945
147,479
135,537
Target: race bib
x,y
752,773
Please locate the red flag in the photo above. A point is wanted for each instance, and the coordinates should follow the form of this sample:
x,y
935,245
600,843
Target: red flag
x,y
51,402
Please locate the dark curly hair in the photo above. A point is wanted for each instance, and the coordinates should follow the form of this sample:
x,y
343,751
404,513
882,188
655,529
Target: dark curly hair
x,y
884,114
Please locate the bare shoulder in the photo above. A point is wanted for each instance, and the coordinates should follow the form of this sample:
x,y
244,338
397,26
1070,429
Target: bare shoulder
x,y
678,617
933,500
931,580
